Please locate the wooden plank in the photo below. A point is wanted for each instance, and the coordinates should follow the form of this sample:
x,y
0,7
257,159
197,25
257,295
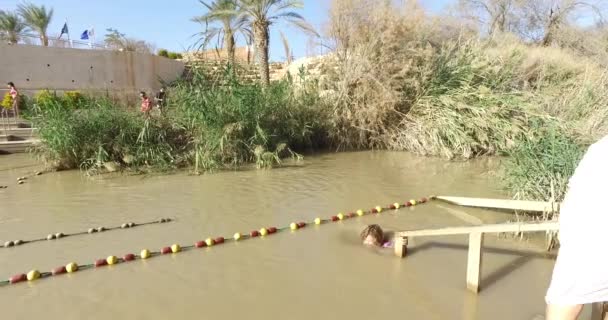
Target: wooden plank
x,y
505,204
462,215
489,228
474,261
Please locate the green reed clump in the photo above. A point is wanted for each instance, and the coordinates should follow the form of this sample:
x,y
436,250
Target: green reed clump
x,y
105,132
539,168
232,123
209,123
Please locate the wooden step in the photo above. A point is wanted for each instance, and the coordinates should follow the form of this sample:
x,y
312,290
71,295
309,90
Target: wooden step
x,y
14,134
8,147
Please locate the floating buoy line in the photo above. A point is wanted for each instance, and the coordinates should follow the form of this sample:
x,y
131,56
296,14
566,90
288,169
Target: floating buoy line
x,y
209,242
60,235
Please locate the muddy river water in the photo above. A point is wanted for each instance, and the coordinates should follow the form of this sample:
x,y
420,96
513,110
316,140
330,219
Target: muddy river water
x,y
320,272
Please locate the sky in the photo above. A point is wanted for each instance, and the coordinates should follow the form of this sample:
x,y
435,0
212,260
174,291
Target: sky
x,y
166,24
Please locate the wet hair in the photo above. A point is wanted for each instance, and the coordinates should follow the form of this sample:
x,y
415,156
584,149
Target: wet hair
x,y
375,231
11,84
143,93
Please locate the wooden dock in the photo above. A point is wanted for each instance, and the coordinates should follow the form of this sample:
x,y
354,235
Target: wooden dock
x,y
17,139
476,235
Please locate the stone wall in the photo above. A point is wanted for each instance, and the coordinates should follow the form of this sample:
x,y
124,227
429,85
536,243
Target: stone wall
x,y
34,68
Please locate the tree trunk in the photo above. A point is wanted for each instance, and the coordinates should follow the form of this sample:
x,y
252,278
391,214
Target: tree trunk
x,y
229,47
229,44
551,29
44,39
13,38
261,38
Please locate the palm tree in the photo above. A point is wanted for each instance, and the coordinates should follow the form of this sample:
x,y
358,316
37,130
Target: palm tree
x,y
264,13
37,18
225,13
11,25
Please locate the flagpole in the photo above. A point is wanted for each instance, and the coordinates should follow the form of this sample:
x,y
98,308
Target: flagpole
x,y
69,41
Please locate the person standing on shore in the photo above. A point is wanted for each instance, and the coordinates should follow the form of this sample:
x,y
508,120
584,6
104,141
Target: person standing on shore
x,y
160,100
146,104
15,96
580,275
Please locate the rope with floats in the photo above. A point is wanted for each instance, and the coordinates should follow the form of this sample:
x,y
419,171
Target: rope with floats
x,y
60,235
209,242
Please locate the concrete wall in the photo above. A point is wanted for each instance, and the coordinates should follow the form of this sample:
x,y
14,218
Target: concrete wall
x,y
33,68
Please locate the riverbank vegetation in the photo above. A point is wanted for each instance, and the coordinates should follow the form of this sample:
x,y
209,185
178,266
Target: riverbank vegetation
x,y
208,124
397,79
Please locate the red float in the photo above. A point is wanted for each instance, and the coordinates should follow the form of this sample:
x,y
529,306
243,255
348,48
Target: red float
x,y
351,215
255,233
301,224
424,200
101,262
392,206
374,210
18,278
129,257
407,204
165,250
219,240
59,270
334,218
272,230
200,244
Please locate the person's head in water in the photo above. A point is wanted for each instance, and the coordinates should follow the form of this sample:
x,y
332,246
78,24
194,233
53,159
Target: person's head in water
x,y
142,94
11,85
372,235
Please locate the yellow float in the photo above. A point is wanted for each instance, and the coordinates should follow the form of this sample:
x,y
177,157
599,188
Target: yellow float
x,y
71,267
112,260
144,254
33,275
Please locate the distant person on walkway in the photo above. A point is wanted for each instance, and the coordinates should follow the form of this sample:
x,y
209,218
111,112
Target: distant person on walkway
x,y
160,100
374,236
146,104
15,95
580,275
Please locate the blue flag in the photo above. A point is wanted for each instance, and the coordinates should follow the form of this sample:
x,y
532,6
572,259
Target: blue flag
x,y
64,30
85,35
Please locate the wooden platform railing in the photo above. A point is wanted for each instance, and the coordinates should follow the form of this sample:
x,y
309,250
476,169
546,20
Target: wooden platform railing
x,y
474,260
476,234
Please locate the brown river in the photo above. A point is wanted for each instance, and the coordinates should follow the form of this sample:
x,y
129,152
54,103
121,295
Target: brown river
x,y
319,272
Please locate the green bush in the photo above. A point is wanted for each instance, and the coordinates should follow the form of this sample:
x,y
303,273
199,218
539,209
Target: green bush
x,y
209,124
7,101
172,55
180,56
73,99
105,132
233,123
542,163
163,53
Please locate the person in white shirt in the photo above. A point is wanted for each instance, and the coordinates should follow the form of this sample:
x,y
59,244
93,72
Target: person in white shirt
x,y
580,275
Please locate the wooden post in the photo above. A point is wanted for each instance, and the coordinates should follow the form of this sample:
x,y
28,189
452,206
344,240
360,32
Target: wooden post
x,y
598,311
474,261
401,246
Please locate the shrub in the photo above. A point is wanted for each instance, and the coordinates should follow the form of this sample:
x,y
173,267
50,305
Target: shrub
x,y
172,55
163,53
543,164
209,124
73,99
7,101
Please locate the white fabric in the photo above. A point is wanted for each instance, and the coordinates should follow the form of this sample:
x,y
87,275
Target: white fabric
x,y
580,275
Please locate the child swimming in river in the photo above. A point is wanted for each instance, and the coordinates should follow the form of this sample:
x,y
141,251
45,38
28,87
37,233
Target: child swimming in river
x,y
373,235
